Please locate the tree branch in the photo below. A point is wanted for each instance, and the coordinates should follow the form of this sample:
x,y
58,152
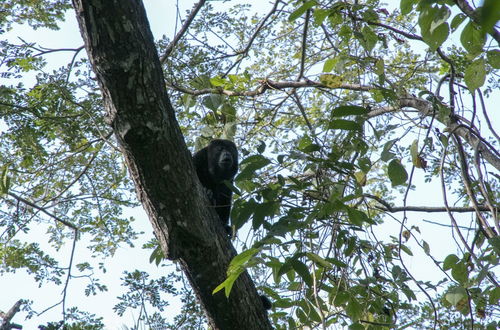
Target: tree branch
x,y
43,210
304,45
244,52
427,209
424,107
6,317
182,31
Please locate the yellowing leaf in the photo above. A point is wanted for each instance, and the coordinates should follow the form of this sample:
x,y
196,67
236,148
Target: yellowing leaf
x,y
331,80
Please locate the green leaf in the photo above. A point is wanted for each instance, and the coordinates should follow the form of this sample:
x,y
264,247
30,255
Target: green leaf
x,y
236,267
261,211
406,250
406,6
320,15
329,65
156,256
386,154
261,147
495,243
250,165
457,20
397,173
426,247
318,260
337,262
414,151
472,38
490,15
341,298
415,157
360,177
357,326
456,295
217,81
379,67
475,74
331,80
494,296
357,217
188,101
345,125
364,164
306,145
354,309
227,285
241,212
368,38
301,10
450,261
242,258
459,273
349,110
437,36
213,101
302,270
493,57
432,22
397,273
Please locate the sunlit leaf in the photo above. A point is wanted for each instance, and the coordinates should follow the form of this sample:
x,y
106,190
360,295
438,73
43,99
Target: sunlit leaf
x,y
406,6
456,295
331,80
475,74
301,10
472,38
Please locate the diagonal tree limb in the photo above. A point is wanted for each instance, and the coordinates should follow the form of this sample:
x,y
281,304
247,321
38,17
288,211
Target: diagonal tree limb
x,y
182,31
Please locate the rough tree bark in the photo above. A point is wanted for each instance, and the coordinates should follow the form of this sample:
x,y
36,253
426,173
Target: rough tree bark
x,y
120,46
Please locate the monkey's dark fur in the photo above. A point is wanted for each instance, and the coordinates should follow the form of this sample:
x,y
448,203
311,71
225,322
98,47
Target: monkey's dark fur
x,y
215,164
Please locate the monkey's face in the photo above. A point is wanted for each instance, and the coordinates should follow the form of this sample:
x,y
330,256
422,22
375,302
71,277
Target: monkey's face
x,y
223,160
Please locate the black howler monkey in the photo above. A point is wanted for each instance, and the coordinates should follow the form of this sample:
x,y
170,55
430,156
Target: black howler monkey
x,y
216,163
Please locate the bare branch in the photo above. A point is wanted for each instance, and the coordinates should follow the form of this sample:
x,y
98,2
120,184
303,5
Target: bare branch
x,y
427,209
6,325
304,45
244,52
424,107
182,31
489,154
455,223
264,86
43,210
466,180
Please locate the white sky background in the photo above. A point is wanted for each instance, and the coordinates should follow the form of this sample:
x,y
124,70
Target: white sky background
x,y
161,14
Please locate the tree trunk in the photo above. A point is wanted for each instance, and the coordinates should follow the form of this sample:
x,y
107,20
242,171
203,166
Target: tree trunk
x,y
121,50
